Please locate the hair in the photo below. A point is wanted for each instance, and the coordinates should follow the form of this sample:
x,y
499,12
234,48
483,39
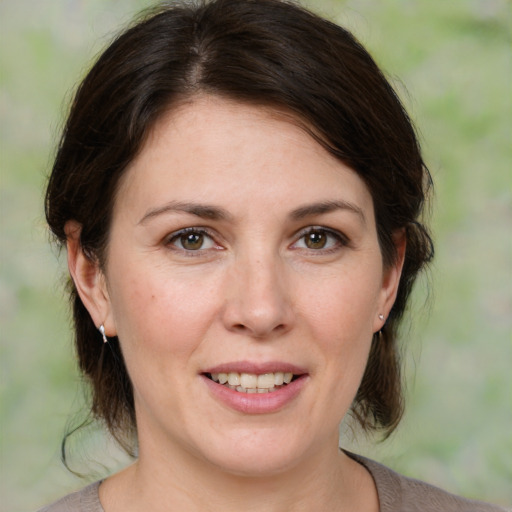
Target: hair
x,y
264,52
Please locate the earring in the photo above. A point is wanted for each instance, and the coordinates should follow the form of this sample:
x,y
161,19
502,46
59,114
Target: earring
x,y
381,317
101,328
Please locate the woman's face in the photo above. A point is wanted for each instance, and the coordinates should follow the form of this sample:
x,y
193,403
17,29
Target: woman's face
x,y
240,249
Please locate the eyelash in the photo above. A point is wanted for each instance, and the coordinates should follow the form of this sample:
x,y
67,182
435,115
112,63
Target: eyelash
x,y
340,240
171,239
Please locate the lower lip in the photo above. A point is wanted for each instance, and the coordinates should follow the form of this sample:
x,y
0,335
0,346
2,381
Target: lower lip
x,y
256,403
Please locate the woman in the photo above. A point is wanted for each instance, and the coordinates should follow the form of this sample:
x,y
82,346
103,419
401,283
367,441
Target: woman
x,y
240,193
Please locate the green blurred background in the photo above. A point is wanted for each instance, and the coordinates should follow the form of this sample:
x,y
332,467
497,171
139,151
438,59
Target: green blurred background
x,y
453,60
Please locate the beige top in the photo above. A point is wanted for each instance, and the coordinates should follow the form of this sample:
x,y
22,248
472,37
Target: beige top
x,y
397,493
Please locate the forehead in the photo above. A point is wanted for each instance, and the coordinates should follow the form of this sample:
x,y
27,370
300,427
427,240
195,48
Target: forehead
x,y
221,150
208,123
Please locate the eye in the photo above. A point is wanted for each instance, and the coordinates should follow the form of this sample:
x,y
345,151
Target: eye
x,y
317,238
191,239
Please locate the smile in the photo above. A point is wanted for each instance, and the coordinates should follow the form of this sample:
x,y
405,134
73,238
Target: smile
x,y
252,382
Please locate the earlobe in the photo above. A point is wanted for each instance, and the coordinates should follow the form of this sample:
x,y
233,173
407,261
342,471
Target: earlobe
x,y
89,279
391,280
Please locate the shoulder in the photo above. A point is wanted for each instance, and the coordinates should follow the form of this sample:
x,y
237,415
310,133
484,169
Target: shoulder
x,y
85,500
398,493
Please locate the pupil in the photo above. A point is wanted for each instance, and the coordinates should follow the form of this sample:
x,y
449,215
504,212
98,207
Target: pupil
x,y
192,241
316,240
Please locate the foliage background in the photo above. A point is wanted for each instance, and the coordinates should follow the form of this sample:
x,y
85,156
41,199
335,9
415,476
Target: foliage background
x,y
454,63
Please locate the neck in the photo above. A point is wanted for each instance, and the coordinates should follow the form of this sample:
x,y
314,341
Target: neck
x,y
326,480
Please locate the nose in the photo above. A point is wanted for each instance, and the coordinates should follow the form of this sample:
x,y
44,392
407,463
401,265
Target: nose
x,y
258,299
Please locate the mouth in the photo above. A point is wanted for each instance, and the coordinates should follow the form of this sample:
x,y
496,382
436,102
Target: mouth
x,y
253,382
256,388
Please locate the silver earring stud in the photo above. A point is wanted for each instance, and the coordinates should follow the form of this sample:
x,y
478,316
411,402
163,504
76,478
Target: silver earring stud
x,y
101,328
381,317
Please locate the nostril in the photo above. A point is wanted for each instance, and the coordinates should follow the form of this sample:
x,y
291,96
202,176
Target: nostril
x,y
258,322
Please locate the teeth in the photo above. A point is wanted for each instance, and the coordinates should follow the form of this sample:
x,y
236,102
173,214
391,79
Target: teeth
x,y
252,383
234,379
266,381
248,380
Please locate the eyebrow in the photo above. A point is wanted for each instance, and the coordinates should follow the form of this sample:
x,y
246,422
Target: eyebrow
x,y
211,212
203,211
326,207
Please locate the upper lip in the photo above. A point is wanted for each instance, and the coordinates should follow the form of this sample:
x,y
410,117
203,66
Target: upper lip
x,y
258,368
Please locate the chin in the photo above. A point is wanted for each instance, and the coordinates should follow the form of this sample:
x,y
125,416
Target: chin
x,y
255,455
262,467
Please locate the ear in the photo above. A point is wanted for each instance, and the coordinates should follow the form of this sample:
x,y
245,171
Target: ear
x,y
89,280
391,280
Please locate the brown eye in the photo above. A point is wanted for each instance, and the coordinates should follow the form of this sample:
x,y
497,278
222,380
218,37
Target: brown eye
x,y
315,240
320,239
192,241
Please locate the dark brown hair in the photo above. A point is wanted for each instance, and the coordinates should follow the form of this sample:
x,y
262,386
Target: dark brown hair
x,y
266,52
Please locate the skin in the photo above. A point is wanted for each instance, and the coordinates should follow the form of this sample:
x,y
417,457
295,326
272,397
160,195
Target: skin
x,y
254,291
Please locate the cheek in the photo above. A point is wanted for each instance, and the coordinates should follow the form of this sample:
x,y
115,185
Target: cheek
x,y
157,313
340,313
342,305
